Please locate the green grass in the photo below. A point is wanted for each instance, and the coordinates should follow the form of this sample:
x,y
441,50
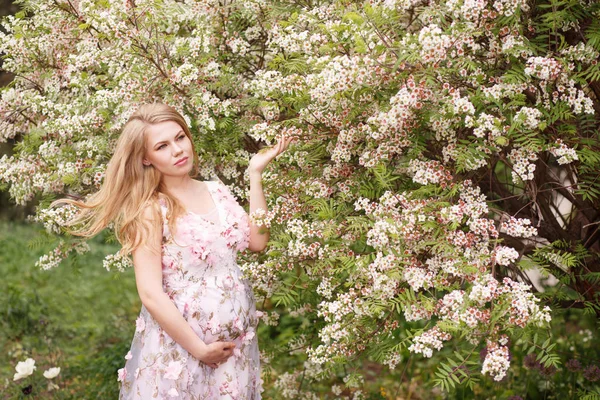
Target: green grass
x,y
77,316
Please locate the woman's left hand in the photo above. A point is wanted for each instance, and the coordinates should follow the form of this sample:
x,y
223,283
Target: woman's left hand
x,y
264,156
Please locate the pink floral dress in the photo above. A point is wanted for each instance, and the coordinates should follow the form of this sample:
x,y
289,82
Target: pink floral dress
x,y
201,276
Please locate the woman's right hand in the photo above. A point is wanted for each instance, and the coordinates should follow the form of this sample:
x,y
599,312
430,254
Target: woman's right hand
x,y
216,353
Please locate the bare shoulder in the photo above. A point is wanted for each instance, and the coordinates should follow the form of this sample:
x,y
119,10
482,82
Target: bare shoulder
x,y
151,229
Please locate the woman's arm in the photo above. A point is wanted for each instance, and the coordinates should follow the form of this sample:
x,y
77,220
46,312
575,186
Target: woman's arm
x,y
148,276
259,235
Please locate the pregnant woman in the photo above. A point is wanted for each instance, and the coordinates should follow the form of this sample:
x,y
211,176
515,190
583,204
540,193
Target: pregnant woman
x,y
195,337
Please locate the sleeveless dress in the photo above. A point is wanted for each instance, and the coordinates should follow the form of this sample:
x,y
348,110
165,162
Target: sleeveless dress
x,y
202,278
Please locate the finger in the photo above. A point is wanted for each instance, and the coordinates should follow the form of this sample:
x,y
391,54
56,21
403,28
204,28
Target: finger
x,y
228,345
271,151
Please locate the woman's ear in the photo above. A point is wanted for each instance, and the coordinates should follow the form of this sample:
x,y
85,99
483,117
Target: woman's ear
x,y
146,162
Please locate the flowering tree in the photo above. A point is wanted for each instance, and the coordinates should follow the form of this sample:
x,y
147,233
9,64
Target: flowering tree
x,y
446,148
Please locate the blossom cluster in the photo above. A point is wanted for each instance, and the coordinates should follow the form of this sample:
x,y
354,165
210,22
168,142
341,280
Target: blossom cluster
x,y
402,224
53,258
54,219
429,172
563,153
429,340
263,277
543,68
260,217
518,227
496,362
523,164
117,261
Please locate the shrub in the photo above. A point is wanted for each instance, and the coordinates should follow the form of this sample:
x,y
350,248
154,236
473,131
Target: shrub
x,y
447,148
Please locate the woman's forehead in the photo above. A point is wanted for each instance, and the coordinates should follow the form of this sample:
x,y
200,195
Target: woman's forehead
x,y
163,131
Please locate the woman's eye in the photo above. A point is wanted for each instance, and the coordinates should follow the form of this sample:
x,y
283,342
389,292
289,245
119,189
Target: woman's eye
x,y
180,137
162,146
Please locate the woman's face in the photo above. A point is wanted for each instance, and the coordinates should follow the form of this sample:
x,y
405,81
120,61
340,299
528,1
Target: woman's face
x,y
168,149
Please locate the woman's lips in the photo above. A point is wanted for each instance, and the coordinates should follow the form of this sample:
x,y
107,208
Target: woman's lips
x,y
182,161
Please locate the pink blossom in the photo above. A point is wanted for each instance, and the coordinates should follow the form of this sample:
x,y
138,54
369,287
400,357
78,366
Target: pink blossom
x,y
248,336
121,375
200,250
228,282
173,370
168,261
229,388
140,324
238,324
214,324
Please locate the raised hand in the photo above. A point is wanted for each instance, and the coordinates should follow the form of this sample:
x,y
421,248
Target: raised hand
x,y
261,159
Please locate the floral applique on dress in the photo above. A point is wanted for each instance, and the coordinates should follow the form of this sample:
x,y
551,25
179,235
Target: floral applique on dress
x,y
201,276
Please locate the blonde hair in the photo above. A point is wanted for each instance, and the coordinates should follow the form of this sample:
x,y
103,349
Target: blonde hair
x,y
130,187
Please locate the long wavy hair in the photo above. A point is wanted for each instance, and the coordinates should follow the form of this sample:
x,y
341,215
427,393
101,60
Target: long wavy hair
x,y
130,187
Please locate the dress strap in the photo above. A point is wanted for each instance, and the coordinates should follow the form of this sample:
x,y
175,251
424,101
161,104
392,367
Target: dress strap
x,y
212,187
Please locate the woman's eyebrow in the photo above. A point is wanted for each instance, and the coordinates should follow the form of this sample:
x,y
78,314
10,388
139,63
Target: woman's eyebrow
x,y
165,141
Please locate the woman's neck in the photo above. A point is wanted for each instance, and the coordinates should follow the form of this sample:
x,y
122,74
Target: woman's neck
x,y
177,184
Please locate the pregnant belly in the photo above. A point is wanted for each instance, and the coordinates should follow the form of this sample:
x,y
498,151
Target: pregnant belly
x,y
220,309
